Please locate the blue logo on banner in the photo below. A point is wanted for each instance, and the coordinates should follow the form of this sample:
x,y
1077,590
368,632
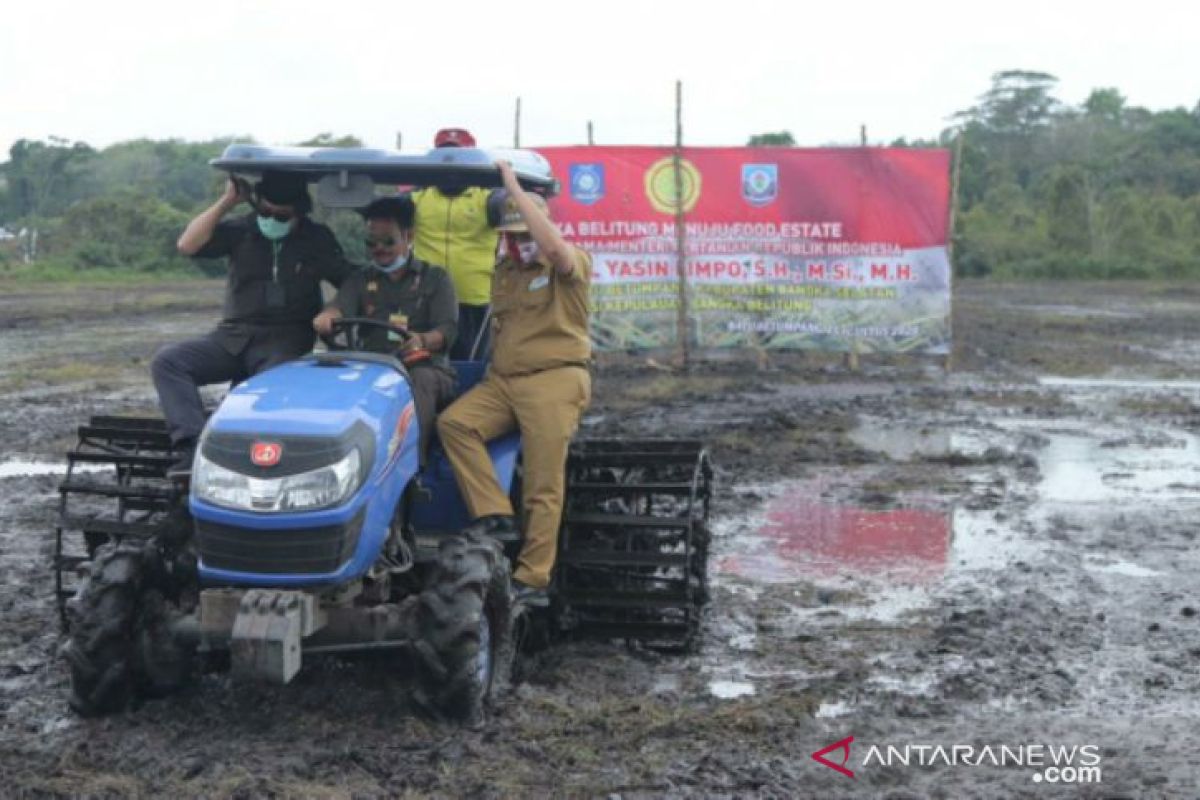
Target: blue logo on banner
x,y
760,183
587,182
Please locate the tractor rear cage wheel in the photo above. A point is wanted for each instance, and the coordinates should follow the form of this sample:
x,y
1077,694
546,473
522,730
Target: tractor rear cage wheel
x,y
123,493
634,546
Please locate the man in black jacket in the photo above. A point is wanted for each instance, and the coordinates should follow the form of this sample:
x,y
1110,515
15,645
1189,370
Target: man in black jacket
x,y
277,259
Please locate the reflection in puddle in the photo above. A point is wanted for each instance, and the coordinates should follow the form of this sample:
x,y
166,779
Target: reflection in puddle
x,y
981,542
1125,569
901,443
887,559
797,538
1084,466
728,690
803,539
913,686
11,469
665,684
30,469
835,709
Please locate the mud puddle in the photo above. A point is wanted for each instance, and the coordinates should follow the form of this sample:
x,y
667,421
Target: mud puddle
x,y
1101,464
850,576
798,537
797,533
829,564
1124,384
19,468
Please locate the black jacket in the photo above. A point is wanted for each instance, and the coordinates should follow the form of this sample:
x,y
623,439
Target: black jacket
x,y
273,284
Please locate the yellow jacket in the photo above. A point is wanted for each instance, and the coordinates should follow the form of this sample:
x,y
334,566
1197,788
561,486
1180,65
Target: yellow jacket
x,y
455,232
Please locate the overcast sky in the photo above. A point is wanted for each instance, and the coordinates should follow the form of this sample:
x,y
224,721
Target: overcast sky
x,y
285,71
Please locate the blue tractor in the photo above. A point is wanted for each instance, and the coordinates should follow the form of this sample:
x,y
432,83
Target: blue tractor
x,y
308,527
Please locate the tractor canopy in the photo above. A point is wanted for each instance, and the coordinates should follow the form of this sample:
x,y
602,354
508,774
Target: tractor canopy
x,y
346,177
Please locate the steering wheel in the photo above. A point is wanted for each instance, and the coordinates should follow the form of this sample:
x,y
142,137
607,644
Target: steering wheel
x,y
350,331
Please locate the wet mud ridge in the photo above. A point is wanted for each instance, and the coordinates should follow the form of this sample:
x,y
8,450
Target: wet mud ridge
x,y
985,577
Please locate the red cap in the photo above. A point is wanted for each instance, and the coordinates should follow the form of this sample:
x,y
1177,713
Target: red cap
x,y
453,137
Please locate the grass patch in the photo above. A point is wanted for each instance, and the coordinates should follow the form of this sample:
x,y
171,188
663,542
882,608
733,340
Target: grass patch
x,y
52,375
1160,406
73,372
669,386
49,305
77,783
53,273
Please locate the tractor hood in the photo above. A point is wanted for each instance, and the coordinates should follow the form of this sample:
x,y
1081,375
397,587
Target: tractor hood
x,y
316,396
300,469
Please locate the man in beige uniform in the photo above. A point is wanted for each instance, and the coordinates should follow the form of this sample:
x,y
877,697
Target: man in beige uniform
x,y
537,382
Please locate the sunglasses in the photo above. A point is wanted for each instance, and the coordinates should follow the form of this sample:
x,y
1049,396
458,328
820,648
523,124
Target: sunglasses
x,y
387,241
278,216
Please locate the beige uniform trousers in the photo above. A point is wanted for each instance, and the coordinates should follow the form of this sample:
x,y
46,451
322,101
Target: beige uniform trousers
x,y
546,407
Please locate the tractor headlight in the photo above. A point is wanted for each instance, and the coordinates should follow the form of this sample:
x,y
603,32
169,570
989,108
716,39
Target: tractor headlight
x,y
319,488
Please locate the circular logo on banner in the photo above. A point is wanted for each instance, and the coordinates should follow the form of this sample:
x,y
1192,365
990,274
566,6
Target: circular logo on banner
x,y
760,183
660,185
587,182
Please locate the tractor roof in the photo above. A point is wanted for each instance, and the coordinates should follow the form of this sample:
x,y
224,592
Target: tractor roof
x,y
462,165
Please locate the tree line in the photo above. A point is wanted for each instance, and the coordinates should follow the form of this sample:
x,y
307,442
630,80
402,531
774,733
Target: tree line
x,y
1100,190
1050,190
1046,189
66,207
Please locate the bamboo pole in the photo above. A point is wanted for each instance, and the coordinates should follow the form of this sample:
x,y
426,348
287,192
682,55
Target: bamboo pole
x,y
850,361
851,358
958,149
517,125
681,323
958,146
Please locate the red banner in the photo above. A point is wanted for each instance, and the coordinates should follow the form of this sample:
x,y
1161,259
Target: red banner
x,y
787,248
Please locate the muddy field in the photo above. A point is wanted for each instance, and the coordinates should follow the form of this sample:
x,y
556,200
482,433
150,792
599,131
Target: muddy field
x,y
1001,557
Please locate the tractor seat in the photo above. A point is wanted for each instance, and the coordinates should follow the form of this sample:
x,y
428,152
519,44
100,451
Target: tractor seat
x,y
468,374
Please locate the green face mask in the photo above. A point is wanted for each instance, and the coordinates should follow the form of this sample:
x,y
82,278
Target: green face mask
x,y
273,229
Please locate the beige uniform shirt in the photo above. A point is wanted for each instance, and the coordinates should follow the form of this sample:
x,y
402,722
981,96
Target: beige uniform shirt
x,y
540,317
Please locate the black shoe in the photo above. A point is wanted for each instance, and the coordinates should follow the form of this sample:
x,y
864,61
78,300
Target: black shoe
x,y
529,596
181,470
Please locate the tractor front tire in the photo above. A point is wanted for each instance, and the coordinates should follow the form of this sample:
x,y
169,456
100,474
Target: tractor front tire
x,y
464,641
120,648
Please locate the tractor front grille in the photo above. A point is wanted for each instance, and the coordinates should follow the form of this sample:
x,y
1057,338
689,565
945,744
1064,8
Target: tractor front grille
x,y
299,551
